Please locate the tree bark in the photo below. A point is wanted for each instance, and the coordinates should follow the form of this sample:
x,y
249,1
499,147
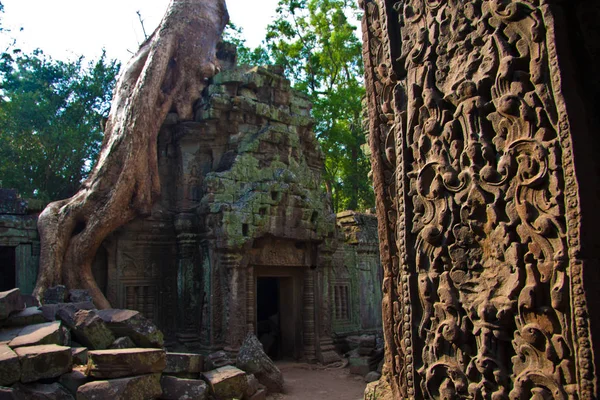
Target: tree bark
x,y
167,74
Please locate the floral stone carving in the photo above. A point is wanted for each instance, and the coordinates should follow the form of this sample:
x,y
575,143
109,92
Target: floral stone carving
x,y
478,203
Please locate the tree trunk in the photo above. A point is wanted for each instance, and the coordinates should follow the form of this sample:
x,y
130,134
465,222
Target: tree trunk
x,y
167,73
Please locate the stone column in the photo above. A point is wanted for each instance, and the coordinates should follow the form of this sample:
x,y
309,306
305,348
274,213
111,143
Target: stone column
x,y
325,351
309,315
189,281
235,327
250,300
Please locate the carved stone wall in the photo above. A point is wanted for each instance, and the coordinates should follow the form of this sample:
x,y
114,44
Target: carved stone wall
x,y
478,120
356,276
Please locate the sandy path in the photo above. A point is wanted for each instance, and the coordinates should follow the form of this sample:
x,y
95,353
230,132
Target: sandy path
x,y
313,382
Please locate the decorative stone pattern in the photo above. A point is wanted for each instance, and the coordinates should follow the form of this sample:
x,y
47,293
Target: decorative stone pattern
x,y
478,202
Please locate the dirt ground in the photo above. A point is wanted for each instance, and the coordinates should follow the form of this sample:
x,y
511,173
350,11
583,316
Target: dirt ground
x,y
314,382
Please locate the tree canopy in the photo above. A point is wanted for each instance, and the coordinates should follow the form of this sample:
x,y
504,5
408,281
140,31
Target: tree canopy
x,y
50,121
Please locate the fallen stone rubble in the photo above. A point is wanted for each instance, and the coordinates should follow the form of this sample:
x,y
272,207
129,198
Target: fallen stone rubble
x,y
69,350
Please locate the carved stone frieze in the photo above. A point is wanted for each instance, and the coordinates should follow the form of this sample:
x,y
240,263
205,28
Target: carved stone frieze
x,y
479,215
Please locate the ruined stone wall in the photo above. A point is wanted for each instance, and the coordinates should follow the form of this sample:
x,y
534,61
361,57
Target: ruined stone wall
x,y
19,239
356,276
484,153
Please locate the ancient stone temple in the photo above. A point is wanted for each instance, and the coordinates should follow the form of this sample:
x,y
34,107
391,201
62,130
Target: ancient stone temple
x,y
243,238
19,241
483,131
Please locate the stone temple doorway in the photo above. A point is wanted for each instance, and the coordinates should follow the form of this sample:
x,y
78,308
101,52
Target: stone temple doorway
x,y
8,270
278,316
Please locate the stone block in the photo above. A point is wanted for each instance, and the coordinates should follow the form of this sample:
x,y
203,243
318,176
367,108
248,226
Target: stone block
x,y
50,310
79,355
106,364
38,334
134,388
252,359
359,365
7,393
79,296
43,362
29,316
55,295
133,324
73,380
372,376
10,369
10,301
227,382
175,388
217,359
124,342
187,364
8,334
261,394
87,328
41,391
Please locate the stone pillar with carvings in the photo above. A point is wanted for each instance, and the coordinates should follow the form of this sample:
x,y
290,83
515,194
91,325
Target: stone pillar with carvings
x,y
230,261
479,113
309,315
326,353
189,281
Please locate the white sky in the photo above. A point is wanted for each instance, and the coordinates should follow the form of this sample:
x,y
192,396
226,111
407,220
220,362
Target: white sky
x,y
66,29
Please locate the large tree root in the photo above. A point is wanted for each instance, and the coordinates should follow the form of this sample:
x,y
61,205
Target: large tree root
x,y
168,72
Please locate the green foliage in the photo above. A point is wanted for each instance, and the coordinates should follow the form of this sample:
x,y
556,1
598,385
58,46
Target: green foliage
x,y
245,56
317,45
50,121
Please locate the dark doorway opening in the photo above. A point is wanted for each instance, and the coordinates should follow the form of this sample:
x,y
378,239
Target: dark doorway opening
x,y
8,268
268,316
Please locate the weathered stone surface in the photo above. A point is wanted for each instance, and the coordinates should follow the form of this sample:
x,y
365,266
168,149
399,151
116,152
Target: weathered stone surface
x,y
40,391
261,394
42,362
183,363
10,368
252,359
10,301
7,394
8,334
29,316
124,342
372,376
175,388
483,130
227,382
379,390
87,328
252,386
79,355
38,334
125,362
135,388
359,365
73,380
55,295
133,324
218,359
79,296
50,310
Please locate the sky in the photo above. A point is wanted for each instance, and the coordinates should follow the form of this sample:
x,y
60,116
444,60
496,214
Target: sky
x,y
66,29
